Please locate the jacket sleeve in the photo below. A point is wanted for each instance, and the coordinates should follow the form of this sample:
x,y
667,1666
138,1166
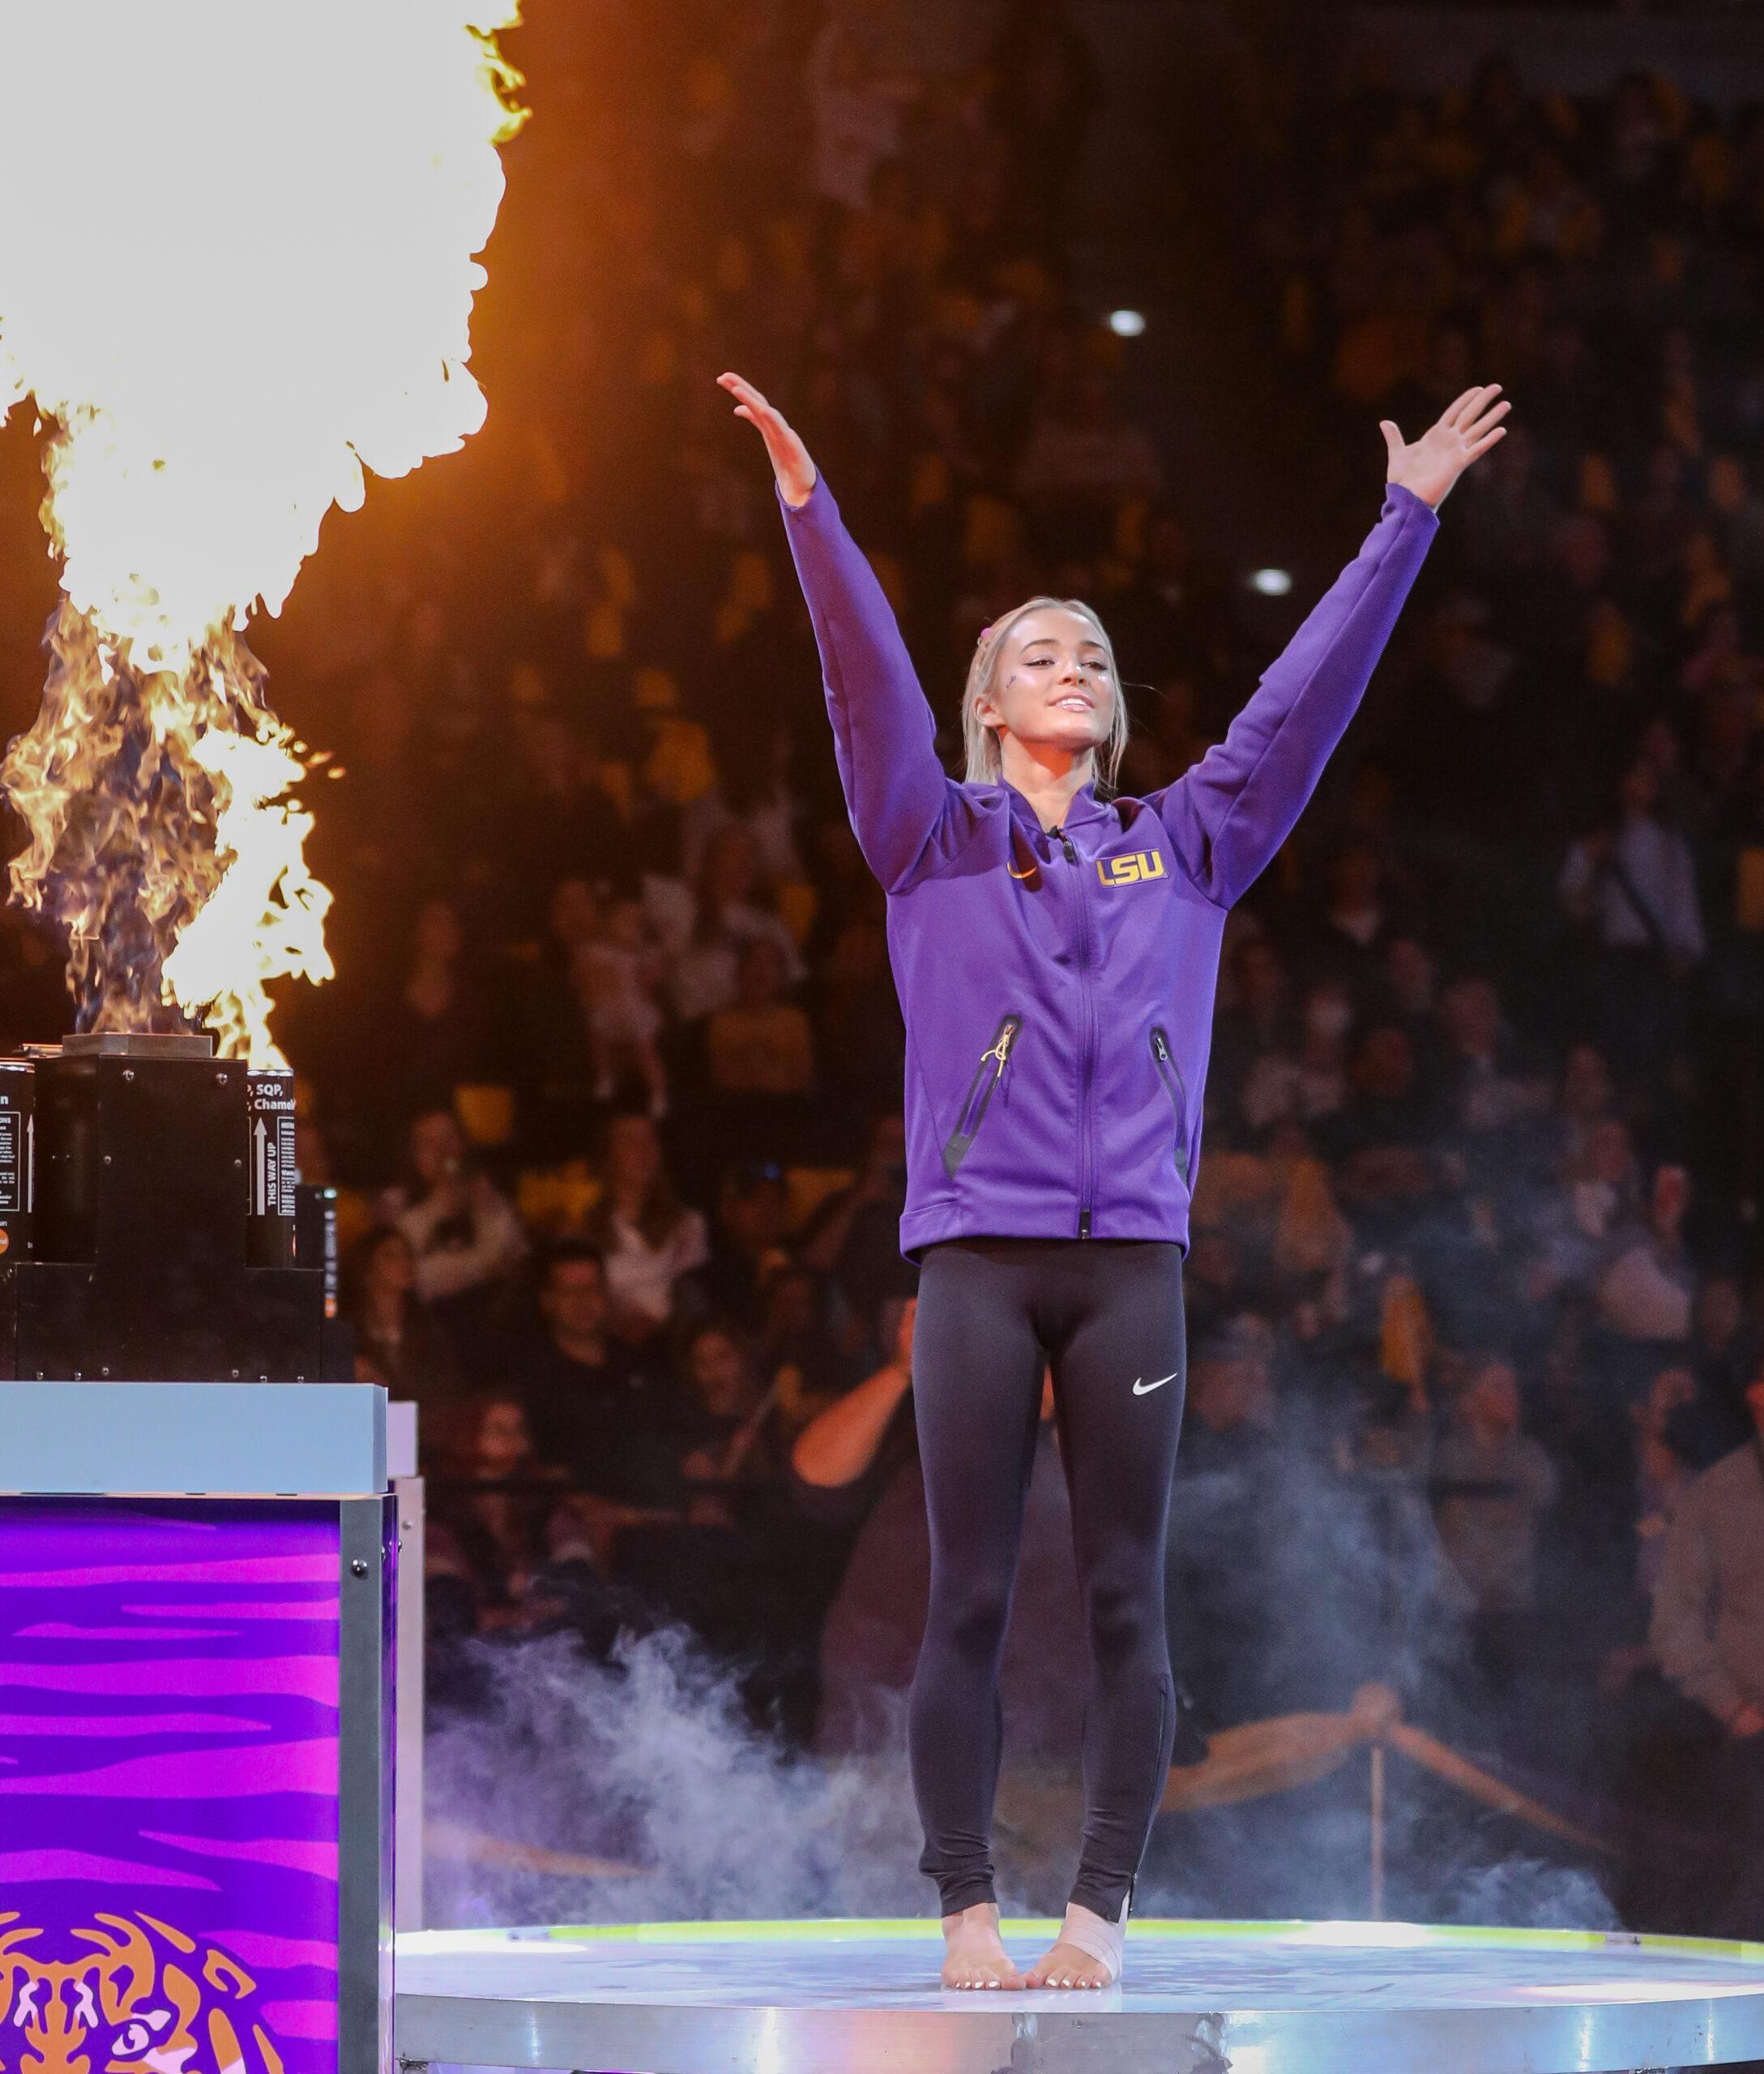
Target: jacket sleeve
x,y
1681,1632
1229,815
896,791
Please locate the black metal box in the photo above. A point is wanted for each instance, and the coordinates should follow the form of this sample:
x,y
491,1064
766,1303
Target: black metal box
x,y
158,1243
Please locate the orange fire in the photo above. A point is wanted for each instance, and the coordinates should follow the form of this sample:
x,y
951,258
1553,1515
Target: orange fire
x,y
236,275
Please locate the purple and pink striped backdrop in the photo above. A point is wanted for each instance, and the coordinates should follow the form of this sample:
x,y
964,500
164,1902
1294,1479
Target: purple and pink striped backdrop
x,y
169,1786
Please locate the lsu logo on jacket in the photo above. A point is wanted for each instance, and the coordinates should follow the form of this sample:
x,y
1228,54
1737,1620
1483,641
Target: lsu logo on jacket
x,y
1130,869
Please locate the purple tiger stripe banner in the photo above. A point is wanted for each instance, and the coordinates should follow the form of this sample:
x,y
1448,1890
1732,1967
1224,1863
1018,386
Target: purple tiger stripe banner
x,y
168,1805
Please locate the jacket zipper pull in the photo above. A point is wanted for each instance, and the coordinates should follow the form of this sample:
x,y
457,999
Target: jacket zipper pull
x,y
1001,1050
1065,843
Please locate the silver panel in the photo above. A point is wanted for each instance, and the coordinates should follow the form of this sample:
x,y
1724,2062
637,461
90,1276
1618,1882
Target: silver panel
x,y
408,1911
365,1754
209,1439
1197,1998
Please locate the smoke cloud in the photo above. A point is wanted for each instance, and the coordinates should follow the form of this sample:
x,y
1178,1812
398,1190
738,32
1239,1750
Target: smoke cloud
x,y
649,1762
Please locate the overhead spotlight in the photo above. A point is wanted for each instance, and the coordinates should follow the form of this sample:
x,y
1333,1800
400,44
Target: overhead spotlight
x,y
1271,583
1127,323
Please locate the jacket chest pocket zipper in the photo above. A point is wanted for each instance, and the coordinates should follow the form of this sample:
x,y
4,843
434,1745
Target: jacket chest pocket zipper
x,y
978,1098
1171,1074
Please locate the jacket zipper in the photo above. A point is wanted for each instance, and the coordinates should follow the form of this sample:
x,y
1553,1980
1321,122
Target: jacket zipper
x,y
1087,1055
955,1146
1177,1088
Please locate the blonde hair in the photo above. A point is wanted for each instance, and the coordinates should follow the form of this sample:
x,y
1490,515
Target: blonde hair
x,y
985,763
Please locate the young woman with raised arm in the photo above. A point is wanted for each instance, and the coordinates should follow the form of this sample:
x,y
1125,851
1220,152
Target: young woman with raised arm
x,y
1056,948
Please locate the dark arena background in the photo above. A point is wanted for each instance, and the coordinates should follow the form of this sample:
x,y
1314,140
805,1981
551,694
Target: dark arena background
x,y
597,1129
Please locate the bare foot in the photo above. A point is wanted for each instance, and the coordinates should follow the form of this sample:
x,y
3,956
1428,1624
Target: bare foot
x,y
1068,1965
974,1954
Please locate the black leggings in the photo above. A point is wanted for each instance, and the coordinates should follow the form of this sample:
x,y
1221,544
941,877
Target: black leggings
x,y
992,1313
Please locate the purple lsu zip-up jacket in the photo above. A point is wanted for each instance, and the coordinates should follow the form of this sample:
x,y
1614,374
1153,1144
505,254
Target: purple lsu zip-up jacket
x,y
1058,986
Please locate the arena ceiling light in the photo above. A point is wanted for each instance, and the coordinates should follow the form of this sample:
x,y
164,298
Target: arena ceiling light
x,y
1127,323
1271,583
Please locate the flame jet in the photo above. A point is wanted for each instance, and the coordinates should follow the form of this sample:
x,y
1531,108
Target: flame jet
x,y
236,273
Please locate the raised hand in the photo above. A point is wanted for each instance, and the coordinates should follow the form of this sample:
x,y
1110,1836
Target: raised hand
x,y
790,462
1442,453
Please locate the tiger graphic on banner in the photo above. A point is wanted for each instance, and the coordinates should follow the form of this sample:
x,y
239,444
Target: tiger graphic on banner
x,y
145,2000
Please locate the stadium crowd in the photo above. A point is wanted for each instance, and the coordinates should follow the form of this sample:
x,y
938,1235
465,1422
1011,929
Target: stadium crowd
x,y
609,1082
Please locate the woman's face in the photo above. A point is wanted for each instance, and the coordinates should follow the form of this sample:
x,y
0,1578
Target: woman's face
x,y
1329,1012
633,1154
1410,971
502,1435
1494,1396
437,1148
391,1272
718,1375
1671,1390
1586,1085
1052,682
1669,1197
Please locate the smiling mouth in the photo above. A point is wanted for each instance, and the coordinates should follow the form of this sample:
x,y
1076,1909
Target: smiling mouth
x,y
1075,701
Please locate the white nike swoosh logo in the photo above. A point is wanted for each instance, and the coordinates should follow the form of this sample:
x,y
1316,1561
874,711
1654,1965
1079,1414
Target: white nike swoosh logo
x,y
1144,1389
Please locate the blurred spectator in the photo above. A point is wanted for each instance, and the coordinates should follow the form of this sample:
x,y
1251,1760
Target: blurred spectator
x,y
1493,1486
1635,888
1381,1137
857,112
1709,1602
646,1238
760,1044
747,1241
465,1239
855,1235
1356,925
616,973
702,973
1492,1078
1045,85
1664,1470
1312,1081
860,1040
1081,461
1708,1633
799,1351
438,1033
496,1502
396,1341
1598,1195
728,1428
1645,1292
561,1068
592,1406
